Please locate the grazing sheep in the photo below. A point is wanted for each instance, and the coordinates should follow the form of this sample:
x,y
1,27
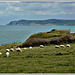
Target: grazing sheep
x,y
56,46
7,54
7,50
62,46
25,48
0,53
12,50
68,45
18,49
30,47
41,46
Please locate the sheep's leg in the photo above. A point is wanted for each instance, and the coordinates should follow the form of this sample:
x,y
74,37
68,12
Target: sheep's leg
x,y
7,55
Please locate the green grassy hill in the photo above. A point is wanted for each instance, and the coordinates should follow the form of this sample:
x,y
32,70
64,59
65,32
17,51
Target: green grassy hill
x,y
38,60
48,35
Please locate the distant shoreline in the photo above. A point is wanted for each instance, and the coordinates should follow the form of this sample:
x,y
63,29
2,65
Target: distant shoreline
x,y
43,22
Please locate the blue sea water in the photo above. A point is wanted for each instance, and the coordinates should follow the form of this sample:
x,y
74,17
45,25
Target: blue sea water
x,y
11,34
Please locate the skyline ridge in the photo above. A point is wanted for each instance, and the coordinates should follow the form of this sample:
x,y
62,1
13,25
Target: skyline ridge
x,y
43,22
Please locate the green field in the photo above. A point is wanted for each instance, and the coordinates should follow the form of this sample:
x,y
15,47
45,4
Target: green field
x,y
38,60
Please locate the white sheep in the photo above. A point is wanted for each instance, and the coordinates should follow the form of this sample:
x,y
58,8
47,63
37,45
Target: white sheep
x,y
56,46
30,47
41,46
62,46
24,48
18,49
12,50
7,50
7,54
0,53
68,45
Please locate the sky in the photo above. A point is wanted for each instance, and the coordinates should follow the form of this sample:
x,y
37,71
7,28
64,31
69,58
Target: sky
x,y
31,10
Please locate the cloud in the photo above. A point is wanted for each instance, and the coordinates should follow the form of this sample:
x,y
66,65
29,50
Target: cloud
x,y
53,13
26,9
51,8
12,8
1,12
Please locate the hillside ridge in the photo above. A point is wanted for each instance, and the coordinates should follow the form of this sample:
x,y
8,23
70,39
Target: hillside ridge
x,y
43,22
55,36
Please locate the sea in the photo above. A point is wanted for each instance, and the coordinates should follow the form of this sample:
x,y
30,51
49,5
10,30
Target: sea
x,y
17,34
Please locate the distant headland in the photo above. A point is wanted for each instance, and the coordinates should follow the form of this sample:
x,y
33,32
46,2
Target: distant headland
x,y
43,22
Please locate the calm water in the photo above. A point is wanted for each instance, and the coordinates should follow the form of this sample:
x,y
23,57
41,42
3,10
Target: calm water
x,y
10,34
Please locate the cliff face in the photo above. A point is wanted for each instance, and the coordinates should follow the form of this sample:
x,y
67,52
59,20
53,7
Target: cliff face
x,y
43,22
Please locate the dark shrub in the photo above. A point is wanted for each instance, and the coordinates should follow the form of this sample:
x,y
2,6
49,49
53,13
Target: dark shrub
x,y
65,39
36,42
59,54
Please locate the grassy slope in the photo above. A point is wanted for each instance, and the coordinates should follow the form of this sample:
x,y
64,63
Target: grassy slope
x,y
38,60
51,35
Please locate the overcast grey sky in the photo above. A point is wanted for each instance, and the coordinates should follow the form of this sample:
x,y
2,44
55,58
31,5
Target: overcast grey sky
x,y
35,10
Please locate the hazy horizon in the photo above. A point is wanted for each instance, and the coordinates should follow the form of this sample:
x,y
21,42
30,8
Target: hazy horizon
x,y
32,10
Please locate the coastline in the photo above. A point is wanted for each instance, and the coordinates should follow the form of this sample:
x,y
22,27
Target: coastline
x,y
38,60
27,38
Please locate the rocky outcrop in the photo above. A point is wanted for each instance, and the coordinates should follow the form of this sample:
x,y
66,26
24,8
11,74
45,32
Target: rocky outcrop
x,y
63,30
